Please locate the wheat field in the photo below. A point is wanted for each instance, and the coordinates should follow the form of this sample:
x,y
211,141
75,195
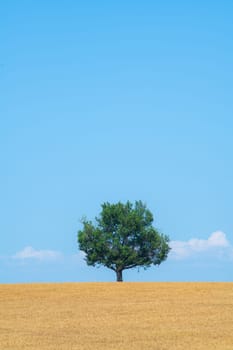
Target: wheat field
x,y
156,316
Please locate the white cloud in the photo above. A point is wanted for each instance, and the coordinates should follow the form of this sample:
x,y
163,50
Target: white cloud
x,y
42,255
217,243
218,239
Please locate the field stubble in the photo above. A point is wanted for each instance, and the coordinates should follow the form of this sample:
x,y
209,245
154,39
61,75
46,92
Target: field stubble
x,y
126,316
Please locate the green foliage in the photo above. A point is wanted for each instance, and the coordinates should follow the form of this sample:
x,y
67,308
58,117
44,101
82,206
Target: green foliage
x,y
122,238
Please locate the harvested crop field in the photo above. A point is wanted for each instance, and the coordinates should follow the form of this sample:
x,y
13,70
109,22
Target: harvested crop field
x,y
70,316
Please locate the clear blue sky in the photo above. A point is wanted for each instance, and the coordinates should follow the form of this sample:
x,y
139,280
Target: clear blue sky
x,y
108,101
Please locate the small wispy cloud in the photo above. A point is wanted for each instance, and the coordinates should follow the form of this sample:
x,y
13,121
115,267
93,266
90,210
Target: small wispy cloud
x,y
41,255
217,243
79,257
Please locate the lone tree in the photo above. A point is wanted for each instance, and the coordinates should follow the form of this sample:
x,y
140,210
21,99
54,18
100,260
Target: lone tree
x,y
122,238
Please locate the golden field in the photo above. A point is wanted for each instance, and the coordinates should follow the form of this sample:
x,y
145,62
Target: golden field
x,y
101,316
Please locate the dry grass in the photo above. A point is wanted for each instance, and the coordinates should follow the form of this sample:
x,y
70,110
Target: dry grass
x,y
156,316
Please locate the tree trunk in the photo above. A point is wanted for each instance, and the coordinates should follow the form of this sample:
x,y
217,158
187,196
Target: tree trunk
x,y
119,276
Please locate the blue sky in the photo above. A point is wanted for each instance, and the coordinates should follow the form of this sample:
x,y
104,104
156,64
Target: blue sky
x,y
108,101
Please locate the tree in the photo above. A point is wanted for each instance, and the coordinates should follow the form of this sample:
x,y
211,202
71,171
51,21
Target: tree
x,y
123,238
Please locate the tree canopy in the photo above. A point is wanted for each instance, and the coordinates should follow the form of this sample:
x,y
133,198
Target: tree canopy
x,y
123,238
